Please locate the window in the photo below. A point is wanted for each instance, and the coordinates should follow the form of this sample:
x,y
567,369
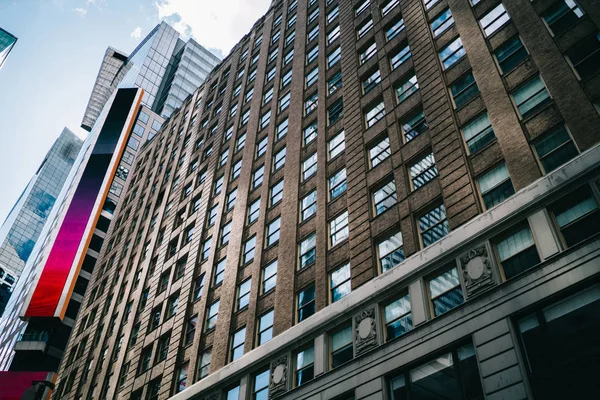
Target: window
x,y
308,252
433,225
225,232
585,56
257,177
236,170
247,98
406,88
268,96
423,171
212,315
339,283
204,364
374,114
335,112
577,216
562,15
182,376
365,27
337,184
273,230
309,206
570,326
335,146
240,142
237,344
162,348
288,57
269,277
338,229
390,252
284,102
279,159
258,41
233,111
333,34
145,358
265,119
385,197
275,37
260,389
276,193
445,291
212,215
413,126
398,317
198,287
310,133
231,197
205,249
304,370
291,20
457,370
220,271
554,148
478,133
253,211
531,97
463,90
312,54
311,103
371,81
334,83
400,57
313,15
341,346
265,327
334,57
233,393
306,303
290,37
331,15
368,52
388,6
251,76
392,30
516,251
172,304
494,20
218,185
313,34
495,186
309,166
442,23
452,53
361,7
286,79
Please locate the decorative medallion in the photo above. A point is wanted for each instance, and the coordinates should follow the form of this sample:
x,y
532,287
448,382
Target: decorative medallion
x,y
278,382
476,269
365,331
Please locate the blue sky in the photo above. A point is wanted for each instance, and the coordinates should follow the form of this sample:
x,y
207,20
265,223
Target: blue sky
x,y
48,77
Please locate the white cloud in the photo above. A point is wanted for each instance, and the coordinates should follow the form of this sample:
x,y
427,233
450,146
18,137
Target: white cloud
x,y
80,11
217,24
137,33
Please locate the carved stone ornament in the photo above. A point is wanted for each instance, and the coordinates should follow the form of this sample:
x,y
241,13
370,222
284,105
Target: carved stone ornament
x,y
476,269
365,331
278,381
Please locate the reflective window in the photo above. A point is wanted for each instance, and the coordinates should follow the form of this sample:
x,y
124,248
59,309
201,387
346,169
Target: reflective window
x,y
398,317
445,291
390,252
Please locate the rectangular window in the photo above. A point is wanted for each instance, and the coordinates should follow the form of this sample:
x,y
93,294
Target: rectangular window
x,y
407,87
304,369
561,15
313,34
190,330
231,198
335,112
218,185
284,102
337,184
577,216
585,56
243,294
276,193
311,103
220,271
310,133
265,119
309,205
334,57
374,114
260,388
334,83
433,225
269,277
247,98
309,167
313,15
385,197
394,29
413,126
371,81
261,147
291,20
361,7
333,34
516,251
286,79
312,77
290,37
198,287
390,252
249,247
478,133
236,170
400,57
368,51
268,96
205,249
237,344
445,292
288,57
306,303
398,317
312,54
225,232
339,283
341,346
336,145
331,15
554,148
338,229
495,186
463,90
257,177
253,211
388,6
364,28
308,252
265,327
279,159
494,20
531,97
452,53
423,171
204,364
273,230
212,315
442,23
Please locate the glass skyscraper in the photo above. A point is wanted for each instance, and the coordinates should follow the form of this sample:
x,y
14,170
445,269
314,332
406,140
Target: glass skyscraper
x,y
7,42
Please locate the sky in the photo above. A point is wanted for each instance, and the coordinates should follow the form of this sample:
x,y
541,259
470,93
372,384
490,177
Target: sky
x,y
48,77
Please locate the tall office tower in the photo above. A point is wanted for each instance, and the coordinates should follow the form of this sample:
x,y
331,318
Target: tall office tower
x,y
166,67
24,223
7,42
383,199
